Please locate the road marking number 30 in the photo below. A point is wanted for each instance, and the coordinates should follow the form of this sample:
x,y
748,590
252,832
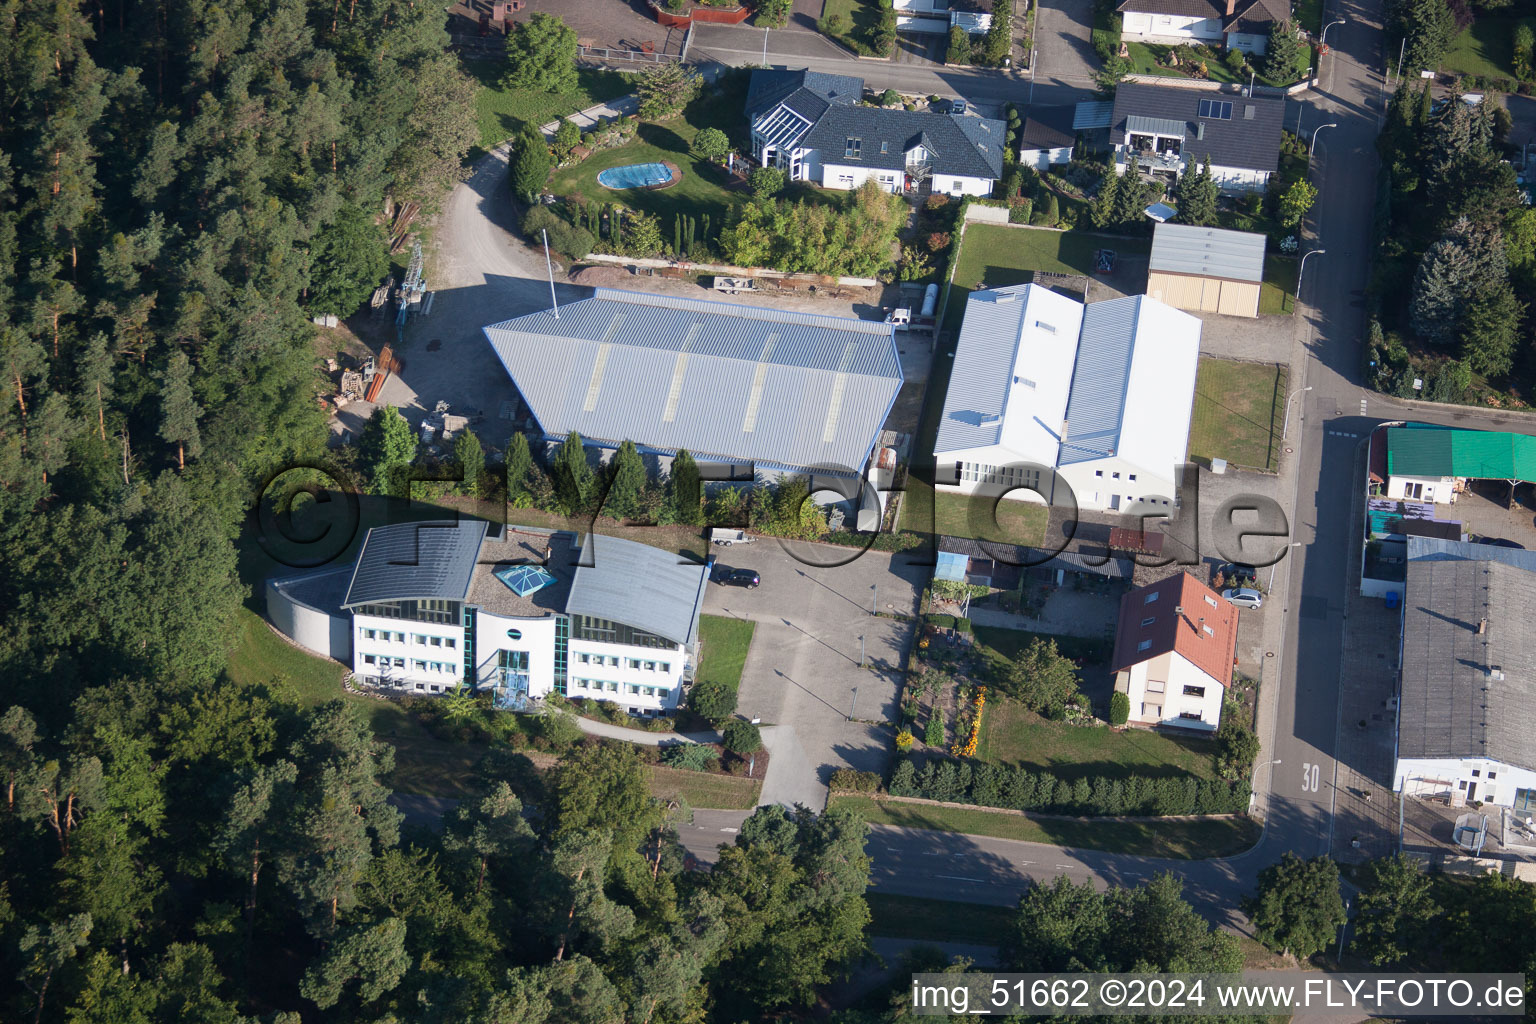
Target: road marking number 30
x,y
1311,775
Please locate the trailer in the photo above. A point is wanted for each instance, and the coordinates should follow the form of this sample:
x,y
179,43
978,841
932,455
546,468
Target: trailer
x,y
725,538
732,285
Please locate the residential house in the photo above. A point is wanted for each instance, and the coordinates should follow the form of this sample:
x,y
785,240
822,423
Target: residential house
x,y
1207,270
1464,716
1046,137
1239,24
1052,401
432,605
783,391
938,16
1173,128
1427,463
810,125
1175,649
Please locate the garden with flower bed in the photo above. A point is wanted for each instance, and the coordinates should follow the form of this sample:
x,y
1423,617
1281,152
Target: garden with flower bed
x,y
997,719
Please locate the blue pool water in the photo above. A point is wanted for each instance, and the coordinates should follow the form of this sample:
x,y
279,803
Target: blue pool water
x,y
634,176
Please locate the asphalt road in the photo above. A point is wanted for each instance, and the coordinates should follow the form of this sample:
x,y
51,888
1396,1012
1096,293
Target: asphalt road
x,y
738,47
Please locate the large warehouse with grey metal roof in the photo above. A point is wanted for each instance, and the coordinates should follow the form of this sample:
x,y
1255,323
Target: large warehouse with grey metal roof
x,y
785,391
1464,727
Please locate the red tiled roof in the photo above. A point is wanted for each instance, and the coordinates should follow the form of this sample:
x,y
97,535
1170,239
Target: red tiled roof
x,y
1203,609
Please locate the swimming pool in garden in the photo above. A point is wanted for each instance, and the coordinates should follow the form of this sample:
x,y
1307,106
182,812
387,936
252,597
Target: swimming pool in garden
x,y
635,176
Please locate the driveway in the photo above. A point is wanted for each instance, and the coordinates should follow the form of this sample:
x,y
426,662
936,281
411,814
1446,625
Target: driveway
x,y
1064,43
803,671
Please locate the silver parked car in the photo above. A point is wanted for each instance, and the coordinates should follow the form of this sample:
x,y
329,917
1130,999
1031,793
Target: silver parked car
x,y
1244,597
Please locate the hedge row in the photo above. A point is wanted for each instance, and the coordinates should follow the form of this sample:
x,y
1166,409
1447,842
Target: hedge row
x,y
991,785
955,622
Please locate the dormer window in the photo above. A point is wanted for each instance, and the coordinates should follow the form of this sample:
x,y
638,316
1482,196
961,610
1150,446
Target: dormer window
x,y
851,150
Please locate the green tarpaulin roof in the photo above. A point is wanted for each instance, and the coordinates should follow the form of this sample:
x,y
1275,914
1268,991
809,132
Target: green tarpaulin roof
x,y
1477,454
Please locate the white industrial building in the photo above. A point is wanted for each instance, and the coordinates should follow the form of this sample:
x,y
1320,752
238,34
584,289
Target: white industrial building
x,y
813,127
1175,648
429,606
1464,728
1052,401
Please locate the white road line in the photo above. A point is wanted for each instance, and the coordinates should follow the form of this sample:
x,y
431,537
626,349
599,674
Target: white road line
x,y
730,830
959,878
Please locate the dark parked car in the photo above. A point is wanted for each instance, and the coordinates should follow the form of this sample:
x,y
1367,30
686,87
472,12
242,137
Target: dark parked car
x,y
1501,542
736,577
1104,261
1235,574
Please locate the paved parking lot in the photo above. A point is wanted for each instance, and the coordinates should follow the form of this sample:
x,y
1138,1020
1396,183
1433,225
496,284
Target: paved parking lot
x,y
803,671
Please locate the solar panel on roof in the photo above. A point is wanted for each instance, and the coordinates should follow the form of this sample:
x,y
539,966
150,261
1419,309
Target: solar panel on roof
x,y
523,580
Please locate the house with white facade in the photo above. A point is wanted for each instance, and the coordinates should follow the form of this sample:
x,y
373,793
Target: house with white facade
x,y
1046,137
938,16
812,126
1172,129
1175,648
1053,401
1238,24
522,613
1432,464
1464,717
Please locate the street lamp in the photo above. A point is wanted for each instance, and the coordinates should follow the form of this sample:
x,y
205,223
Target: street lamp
x,y
1330,124
1285,429
1303,269
1254,781
1322,42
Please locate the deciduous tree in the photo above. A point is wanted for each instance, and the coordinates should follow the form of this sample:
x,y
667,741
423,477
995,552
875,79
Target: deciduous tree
x,y
1395,910
1297,908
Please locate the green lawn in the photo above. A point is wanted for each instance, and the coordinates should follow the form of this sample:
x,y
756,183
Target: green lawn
x,y
1486,48
1012,642
1145,59
993,255
704,790
702,189
955,515
1277,296
261,656
860,17
726,642
501,111
1012,735
1309,14
423,763
1185,840
911,917
1239,408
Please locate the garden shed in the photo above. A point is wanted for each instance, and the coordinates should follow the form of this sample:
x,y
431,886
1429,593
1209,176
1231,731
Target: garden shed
x,y
1207,270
